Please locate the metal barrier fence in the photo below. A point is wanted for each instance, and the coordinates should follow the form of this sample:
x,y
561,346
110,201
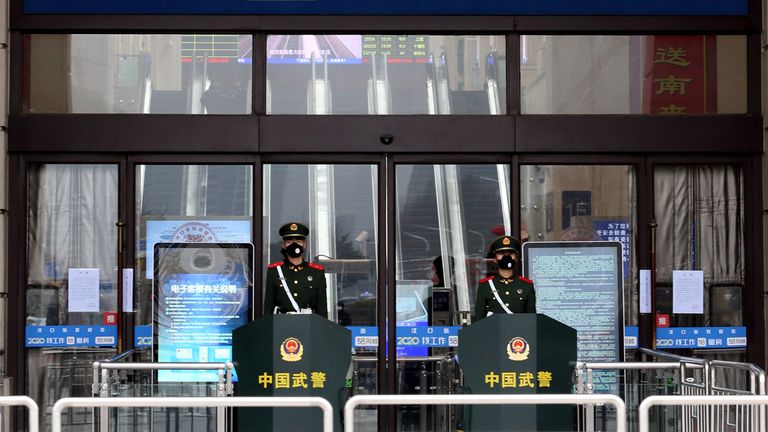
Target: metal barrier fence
x,y
526,399
716,402
685,376
32,409
586,417
224,386
195,402
737,418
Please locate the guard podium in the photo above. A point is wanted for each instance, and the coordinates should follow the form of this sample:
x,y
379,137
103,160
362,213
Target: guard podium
x,y
290,355
518,354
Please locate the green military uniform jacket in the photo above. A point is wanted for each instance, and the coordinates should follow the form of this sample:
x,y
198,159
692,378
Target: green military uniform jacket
x,y
517,293
306,283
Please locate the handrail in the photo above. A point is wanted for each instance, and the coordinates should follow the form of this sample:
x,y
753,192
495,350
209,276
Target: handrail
x,y
667,355
363,359
224,385
645,406
490,399
629,365
31,405
225,370
581,367
194,402
757,384
167,366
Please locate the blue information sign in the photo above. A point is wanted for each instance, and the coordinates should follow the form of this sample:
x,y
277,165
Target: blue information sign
x,y
409,337
631,337
392,7
701,337
142,336
70,336
617,230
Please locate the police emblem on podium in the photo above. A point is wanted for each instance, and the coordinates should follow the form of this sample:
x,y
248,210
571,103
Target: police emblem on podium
x,y
518,354
291,349
518,349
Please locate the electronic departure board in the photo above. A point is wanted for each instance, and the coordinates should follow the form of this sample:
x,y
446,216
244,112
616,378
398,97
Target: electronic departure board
x,y
347,49
217,48
401,48
580,284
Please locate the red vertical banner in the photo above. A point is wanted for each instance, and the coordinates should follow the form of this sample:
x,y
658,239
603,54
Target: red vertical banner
x,y
675,75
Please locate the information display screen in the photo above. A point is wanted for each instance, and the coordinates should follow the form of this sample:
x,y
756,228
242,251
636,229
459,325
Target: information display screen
x,y
412,313
217,48
580,284
346,49
202,293
193,230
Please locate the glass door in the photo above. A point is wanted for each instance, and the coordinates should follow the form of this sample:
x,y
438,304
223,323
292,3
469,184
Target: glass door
x,y
446,218
71,280
338,203
183,203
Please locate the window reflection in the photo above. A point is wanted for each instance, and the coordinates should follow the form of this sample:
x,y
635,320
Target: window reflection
x,y
71,215
583,203
386,74
338,204
175,203
664,74
140,74
700,214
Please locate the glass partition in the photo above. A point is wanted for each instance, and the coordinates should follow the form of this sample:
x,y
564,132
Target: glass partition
x,y
181,204
339,204
386,74
447,217
700,214
669,74
140,73
586,203
71,280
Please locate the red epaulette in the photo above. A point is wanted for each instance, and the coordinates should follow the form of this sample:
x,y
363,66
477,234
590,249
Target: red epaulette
x,y
316,266
525,280
486,279
275,264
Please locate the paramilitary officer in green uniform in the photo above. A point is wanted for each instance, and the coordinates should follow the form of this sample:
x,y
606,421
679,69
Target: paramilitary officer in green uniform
x,y
294,285
505,293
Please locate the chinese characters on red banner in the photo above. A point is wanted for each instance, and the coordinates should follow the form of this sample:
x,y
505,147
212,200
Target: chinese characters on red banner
x,y
675,75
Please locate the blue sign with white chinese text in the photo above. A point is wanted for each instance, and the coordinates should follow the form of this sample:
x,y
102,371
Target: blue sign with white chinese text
x,y
409,337
631,339
142,336
701,337
617,230
70,336
392,7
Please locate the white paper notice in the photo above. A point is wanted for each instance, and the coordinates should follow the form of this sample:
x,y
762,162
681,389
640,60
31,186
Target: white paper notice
x,y
645,291
688,292
127,290
83,293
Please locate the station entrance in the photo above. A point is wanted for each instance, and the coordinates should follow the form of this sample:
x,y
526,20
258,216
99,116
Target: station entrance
x,y
426,226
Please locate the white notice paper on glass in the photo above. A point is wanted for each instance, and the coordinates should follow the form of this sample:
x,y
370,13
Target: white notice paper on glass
x,y
645,291
127,290
83,293
688,291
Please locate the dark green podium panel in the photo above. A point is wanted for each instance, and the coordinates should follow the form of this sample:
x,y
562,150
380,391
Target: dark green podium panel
x,y
290,355
518,354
